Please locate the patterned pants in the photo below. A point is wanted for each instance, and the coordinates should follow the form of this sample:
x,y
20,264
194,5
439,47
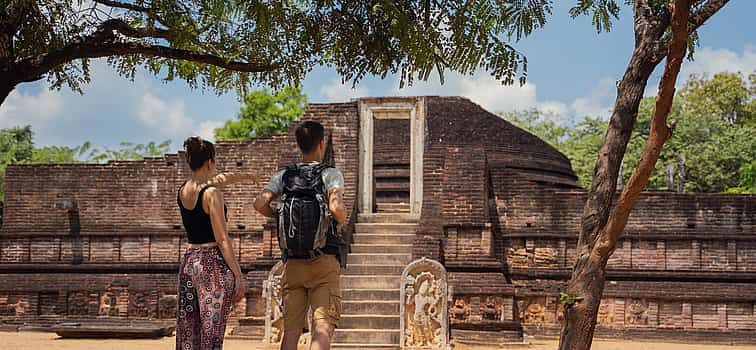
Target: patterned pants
x,y
206,289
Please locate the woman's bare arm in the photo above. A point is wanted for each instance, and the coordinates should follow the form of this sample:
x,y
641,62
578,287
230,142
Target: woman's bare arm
x,y
227,179
218,222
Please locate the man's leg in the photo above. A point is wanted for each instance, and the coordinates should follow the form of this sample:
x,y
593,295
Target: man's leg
x,y
321,335
294,297
325,298
290,339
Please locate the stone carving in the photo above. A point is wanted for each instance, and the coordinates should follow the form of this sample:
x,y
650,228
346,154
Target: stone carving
x,y
635,313
167,306
423,307
460,310
13,306
606,313
491,308
139,305
49,303
535,314
78,303
273,305
108,305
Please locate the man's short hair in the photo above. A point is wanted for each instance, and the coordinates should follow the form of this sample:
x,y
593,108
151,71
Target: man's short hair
x,y
309,134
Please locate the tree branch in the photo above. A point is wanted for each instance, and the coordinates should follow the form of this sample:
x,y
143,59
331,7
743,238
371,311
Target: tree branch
x,y
106,29
700,17
659,133
37,66
16,12
123,5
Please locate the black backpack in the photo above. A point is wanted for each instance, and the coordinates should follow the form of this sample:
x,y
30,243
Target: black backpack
x,y
305,224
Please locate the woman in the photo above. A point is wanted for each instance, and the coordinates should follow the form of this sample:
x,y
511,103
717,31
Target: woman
x,y
210,280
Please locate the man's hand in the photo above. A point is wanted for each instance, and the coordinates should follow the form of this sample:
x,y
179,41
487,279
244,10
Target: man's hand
x,y
262,203
336,205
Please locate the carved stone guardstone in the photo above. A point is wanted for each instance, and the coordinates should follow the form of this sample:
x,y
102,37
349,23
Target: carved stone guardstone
x,y
272,294
423,310
273,305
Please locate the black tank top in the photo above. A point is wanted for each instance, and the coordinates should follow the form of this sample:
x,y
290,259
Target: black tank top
x,y
199,230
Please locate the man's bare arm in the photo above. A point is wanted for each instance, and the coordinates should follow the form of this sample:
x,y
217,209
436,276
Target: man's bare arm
x,y
262,203
227,179
336,205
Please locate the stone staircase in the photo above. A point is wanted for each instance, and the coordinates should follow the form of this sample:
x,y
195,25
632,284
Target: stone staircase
x,y
381,248
392,186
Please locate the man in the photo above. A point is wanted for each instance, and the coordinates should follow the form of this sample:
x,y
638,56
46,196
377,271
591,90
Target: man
x,y
310,247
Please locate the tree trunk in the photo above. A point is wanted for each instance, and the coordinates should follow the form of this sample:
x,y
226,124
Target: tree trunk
x,y
600,228
6,86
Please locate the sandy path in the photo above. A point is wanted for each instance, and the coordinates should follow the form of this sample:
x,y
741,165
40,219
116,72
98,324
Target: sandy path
x,y
50,341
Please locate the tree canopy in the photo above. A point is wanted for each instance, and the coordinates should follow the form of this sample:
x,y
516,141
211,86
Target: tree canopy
x,y
236,45
263,114
714,130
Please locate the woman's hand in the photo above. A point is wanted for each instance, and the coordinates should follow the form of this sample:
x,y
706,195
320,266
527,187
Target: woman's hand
x,y
240,288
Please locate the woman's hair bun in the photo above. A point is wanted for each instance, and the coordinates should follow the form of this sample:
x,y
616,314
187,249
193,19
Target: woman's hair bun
x,y
198,151
193,144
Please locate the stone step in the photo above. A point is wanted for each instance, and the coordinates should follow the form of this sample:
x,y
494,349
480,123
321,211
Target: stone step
x,y
369,321
369,294
373,307
382,238
388,186
367,269
402,172
366,336
385,227
386,218
383,207
382,248
370,282
379,258
359,346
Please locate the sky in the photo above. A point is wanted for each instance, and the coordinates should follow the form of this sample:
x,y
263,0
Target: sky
x,y
572,72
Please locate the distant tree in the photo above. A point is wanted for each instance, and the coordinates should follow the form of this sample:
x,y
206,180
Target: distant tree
x,y
747,183
713,129
15,146
60,154
131,151
540,124
264,114
716,147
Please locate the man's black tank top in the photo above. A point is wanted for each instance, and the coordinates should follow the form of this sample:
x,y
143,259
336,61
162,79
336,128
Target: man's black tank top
x,y
199,230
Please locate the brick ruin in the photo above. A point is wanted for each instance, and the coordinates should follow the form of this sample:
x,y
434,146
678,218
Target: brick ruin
x,y
497,206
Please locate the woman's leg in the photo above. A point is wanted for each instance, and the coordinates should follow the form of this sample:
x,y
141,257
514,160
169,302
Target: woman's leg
x,y
187,310
216,290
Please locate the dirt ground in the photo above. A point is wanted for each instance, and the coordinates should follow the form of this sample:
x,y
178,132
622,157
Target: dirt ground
x,y
50,341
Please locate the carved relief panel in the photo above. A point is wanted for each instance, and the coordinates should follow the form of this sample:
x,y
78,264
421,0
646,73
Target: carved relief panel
x,y
423,307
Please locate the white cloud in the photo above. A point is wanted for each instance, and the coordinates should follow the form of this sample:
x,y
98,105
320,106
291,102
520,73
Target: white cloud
x,y
495,97
335,91
168,117
22,108
114,109
206,129
710,61
491,94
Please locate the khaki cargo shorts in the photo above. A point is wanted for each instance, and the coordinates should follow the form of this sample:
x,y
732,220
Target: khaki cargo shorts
x,y
311,283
